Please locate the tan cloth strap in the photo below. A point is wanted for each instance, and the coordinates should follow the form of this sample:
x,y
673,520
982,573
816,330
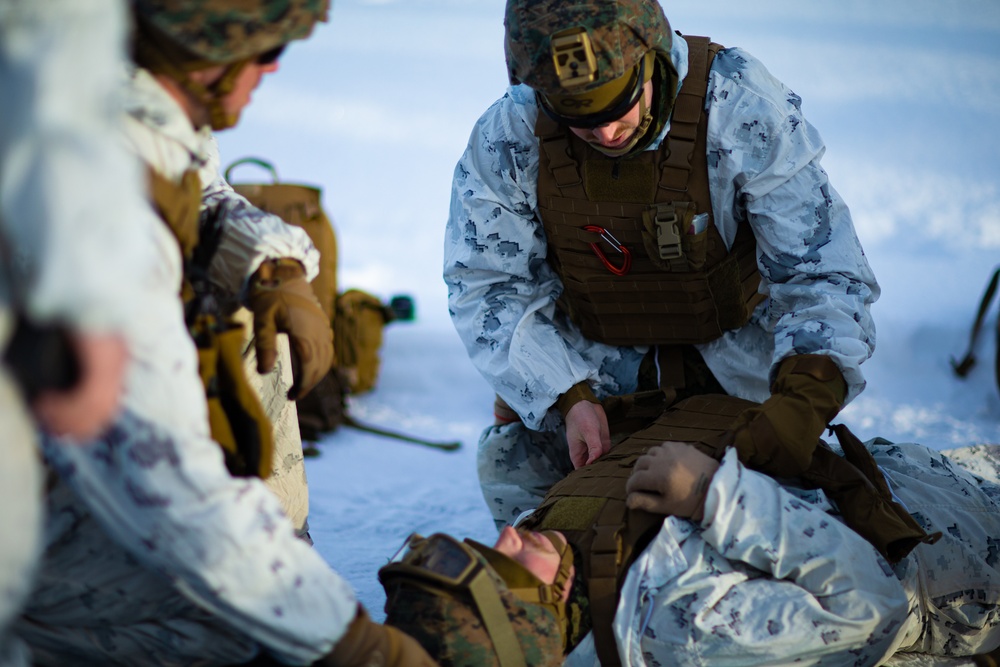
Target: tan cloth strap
x,y
237,420
178,205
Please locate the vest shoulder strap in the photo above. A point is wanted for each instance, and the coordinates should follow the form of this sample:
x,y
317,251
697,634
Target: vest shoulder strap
x,y
178,204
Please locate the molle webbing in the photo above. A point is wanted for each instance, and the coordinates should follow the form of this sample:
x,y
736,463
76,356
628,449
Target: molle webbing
x,y
681,287
588,506
236,418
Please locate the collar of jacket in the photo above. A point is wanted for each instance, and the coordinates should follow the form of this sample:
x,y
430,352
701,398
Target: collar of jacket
x,y
151,106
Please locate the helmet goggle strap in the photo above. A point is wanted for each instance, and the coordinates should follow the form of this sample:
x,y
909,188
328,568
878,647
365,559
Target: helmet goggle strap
x,y
529,588
441,565
602,105
157,53
219,118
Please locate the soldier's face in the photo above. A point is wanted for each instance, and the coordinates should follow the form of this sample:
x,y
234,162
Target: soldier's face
x,y
617,133
246,82
534,551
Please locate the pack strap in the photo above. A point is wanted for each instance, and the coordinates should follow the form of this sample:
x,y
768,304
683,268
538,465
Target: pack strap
x,y
264,164
968,361
606,552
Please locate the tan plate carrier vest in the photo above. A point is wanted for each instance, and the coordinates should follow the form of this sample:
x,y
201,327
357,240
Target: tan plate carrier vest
x,y
237,419
588,506
681,287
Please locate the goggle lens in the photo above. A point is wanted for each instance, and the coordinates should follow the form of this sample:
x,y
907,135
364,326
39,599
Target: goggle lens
x,y
611,113
439,557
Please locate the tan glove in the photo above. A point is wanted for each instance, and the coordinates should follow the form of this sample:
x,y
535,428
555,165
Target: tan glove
x,y
282,301
671,479
369,644
991,659
780,436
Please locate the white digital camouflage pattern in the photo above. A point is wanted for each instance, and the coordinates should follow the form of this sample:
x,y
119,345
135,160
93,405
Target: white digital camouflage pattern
x,y
517,467
249,236
76,246
154,552
763,168
770,577
69,247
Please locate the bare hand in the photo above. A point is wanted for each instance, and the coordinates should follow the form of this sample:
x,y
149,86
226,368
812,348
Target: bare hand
x,y
587,433
85,410
672,479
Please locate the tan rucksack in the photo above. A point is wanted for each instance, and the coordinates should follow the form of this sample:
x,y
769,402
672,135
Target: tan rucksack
x,y
357,317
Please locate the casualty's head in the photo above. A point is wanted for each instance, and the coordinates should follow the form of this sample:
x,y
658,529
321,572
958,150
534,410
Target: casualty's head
x,y
216,51
470,605
601,67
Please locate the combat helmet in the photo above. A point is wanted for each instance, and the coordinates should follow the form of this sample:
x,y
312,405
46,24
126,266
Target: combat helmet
x,y
175,37
588,60
471,606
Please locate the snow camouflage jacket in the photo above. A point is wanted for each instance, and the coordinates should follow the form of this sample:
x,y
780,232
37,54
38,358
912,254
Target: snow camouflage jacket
x,y
153,549
763,163
779,581
70,198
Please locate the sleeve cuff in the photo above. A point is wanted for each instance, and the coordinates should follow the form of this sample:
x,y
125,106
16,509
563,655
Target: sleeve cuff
x,y
581,391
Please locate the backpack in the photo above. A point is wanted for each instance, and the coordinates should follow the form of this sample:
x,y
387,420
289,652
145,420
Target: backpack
x,y
968,361
357,329
356,317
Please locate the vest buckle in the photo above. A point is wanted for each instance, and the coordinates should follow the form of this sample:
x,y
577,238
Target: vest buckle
x,y
668,233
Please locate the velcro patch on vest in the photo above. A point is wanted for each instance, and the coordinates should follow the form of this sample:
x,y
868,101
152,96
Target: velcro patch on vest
x,y
573,513
626,181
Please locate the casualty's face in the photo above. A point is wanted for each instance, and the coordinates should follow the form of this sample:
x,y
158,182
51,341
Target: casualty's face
x,y
616,133
533,551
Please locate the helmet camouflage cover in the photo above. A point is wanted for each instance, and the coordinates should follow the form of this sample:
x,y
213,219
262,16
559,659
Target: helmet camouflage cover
x,y
453,633
541,34
224,31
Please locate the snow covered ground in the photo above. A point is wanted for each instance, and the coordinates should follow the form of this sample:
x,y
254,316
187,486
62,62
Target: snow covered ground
x,y
377,106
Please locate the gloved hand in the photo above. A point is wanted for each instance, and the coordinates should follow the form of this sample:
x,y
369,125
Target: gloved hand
x,y
780,436
369,644
671,479
282,301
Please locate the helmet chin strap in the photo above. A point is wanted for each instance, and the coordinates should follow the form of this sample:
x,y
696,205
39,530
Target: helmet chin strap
x,y
211,96
645,121
219,118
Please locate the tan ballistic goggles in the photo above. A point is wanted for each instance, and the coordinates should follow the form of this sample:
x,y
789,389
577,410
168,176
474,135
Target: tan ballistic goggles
x,y
441,565
602,105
